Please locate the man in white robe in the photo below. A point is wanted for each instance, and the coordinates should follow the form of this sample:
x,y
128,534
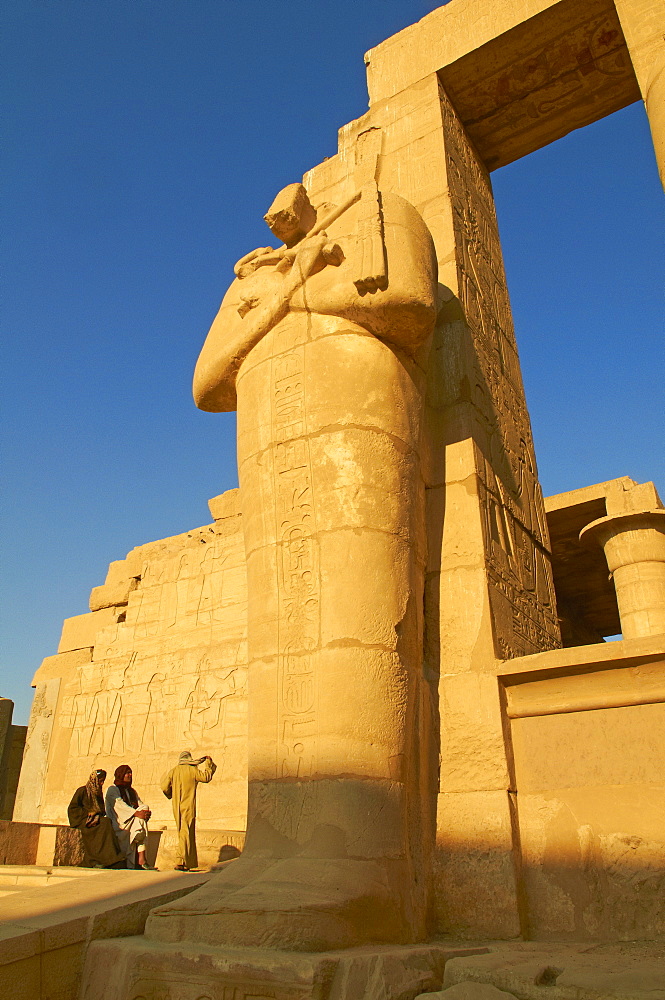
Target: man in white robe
x,y
129,816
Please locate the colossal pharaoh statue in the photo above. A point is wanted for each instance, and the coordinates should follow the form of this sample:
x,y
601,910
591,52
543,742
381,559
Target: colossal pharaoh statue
x,y
320,346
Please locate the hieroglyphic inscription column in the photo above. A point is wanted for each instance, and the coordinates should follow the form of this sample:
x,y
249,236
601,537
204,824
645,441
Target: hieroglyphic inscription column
x,y
298,571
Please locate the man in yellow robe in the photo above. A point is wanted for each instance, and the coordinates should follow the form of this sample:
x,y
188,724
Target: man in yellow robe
x,y
179,785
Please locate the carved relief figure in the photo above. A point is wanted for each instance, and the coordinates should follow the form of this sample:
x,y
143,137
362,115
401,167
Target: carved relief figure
x,y
149,735
320,346
206,702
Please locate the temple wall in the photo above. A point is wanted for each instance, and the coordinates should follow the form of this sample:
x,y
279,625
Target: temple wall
x,y
136,682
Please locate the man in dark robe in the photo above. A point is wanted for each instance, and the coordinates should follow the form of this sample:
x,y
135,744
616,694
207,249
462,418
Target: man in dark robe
x,y
86,813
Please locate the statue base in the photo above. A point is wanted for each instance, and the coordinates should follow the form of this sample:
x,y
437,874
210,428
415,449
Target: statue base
x,y
140,969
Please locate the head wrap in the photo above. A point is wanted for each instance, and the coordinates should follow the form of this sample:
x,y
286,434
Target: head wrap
x,y
127,793
93,787
184,757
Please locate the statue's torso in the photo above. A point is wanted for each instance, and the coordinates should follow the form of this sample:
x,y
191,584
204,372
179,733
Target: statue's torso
x,y
313,372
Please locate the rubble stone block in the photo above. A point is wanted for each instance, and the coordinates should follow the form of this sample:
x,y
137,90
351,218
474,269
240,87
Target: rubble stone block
x,y
80,632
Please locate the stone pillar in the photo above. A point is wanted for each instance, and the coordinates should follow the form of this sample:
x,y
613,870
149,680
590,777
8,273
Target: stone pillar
x,y
490,579
488,589
10,743
633,538
643,23
29,796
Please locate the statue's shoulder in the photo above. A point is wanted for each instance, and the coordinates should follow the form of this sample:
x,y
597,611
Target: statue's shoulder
x,y
397,211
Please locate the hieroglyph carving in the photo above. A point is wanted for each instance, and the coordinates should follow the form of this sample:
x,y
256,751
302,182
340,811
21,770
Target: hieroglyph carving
x,y
298,569
151,708
548,77
181,589
163,677
516,538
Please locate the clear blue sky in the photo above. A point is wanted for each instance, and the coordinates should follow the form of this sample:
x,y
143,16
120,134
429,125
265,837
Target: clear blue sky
x,y
146,139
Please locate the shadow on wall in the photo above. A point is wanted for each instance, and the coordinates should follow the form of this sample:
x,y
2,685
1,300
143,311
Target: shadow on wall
x,y
611,887
12,743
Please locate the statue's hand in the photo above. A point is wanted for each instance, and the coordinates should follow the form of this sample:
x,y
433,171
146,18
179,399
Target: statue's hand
x,y
312,255
261,257
295,265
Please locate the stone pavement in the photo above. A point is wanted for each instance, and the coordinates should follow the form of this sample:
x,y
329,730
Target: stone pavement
x,y
533,970
48,916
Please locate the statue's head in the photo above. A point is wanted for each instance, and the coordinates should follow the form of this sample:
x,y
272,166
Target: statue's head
x,y
291,215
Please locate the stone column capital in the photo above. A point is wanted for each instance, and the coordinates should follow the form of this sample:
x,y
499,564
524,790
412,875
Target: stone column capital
x,y
634,546
628,538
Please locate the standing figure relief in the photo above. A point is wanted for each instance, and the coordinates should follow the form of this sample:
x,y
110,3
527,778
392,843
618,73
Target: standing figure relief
x,y
319,345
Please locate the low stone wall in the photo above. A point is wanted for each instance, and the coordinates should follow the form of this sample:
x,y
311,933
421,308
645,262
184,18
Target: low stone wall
x,y
45,931
19,842
587,737
213,847
48,844
39,844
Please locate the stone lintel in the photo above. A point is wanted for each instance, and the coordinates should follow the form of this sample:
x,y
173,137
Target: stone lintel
x,y
441,38
519,74
586,494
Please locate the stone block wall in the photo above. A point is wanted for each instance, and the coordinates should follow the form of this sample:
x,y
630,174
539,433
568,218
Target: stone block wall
x,y
39,844
585,730
158,666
